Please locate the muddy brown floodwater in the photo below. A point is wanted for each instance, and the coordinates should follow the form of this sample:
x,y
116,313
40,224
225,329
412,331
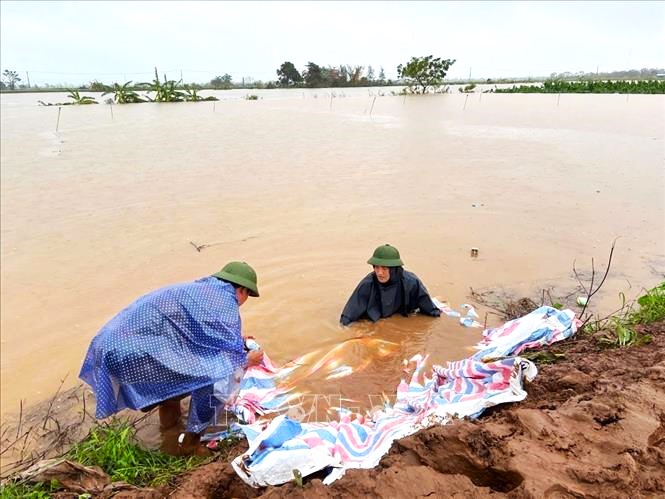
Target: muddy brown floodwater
x,y
304,186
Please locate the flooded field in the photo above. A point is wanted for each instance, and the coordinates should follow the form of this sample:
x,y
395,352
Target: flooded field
x,y
303,186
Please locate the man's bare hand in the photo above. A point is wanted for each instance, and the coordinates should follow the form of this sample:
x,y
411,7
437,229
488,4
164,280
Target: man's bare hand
x,y
254,358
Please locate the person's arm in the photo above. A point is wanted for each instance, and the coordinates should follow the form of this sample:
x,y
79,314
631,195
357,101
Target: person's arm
x,y
357,304
425,303
254,358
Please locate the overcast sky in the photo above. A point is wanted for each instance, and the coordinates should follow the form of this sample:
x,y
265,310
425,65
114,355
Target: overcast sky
x,y
76,42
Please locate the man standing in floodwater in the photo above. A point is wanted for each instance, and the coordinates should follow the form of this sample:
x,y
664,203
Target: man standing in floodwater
x,y
176,341
387,290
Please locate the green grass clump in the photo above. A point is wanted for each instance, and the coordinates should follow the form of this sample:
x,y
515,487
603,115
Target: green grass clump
x,y
622,331
15,490
113,448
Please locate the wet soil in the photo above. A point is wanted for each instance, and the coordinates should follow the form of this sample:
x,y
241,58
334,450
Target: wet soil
x,y
593,425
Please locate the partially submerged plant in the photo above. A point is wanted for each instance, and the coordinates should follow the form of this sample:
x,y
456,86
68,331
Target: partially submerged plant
x,y
81,99
122,94
193,96
167,91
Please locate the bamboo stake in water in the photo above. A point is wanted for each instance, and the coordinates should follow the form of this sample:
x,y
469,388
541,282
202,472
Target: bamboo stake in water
x,y
331,98
558,98
465,99
58,122
213,107
111,108
371,108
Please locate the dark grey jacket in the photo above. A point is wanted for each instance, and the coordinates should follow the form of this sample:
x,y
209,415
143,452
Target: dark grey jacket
x,y
403,293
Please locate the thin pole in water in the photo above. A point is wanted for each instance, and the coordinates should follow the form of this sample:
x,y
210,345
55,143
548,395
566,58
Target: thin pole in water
x,y
372,108
213,107
57,124
465,99
558,98
111,108
331,98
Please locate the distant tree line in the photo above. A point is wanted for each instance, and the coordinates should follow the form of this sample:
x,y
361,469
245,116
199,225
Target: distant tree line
x,y
420,74
344,75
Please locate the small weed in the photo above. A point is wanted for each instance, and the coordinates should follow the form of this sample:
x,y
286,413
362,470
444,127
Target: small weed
x,y
544,357
622,334
252,97
297,478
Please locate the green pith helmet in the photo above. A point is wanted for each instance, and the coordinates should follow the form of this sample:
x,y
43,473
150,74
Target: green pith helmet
x,y
240,273
386,256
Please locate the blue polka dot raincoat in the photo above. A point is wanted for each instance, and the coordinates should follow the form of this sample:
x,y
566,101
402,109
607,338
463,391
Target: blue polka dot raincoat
x,y
174,341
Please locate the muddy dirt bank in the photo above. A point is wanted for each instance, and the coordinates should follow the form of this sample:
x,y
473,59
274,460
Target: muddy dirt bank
x,y
593,425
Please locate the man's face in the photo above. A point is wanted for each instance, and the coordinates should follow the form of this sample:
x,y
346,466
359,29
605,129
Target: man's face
x,y
242,294
382,273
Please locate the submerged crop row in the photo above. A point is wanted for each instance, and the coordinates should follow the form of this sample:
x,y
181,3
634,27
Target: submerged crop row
x,y
166,91
590,87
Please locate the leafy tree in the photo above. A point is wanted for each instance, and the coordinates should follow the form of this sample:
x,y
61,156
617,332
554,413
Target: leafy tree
x,y
370,73
11,77
216,82
424,72
312,75
330,77
344,74
356,75
97,86
382,76
225,82
288,74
